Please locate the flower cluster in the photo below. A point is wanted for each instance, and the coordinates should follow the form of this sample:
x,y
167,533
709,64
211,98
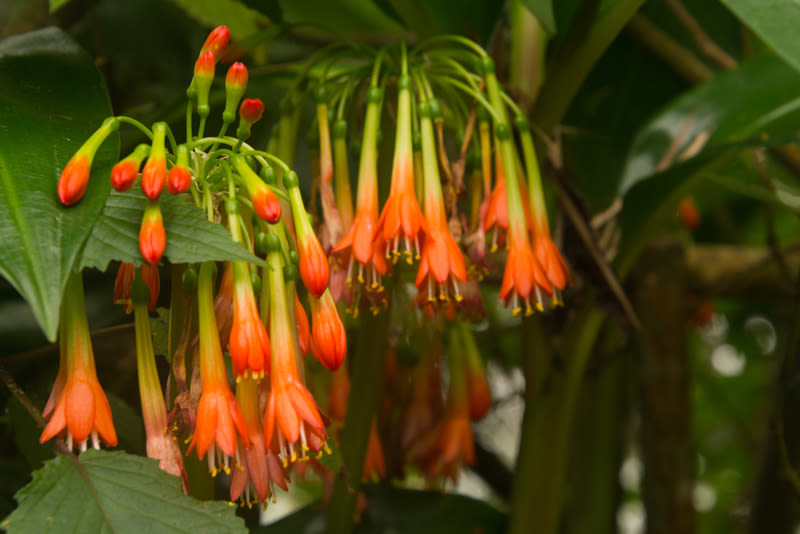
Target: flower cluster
x,y
270,419
431,238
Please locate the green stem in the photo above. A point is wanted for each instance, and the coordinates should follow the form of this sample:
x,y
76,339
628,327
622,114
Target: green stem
x,y
367,379
540,473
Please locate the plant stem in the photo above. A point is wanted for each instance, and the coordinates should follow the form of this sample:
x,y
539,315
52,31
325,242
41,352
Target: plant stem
x,y
367,369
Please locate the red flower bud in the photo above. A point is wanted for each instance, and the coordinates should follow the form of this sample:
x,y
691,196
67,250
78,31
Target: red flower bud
x,y
314,268
328,340
237,77
123,174
217,41
152,237
266,203
303,329
74,179
251,110
178,180
153,177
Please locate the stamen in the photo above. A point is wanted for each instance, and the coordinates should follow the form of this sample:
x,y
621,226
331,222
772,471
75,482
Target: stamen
x,y
82,445
69,439
95,440
211,457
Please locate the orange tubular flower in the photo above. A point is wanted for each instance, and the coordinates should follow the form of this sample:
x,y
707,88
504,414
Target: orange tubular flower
x,y
152,236
249,344
328,339
314,267
265,202
478,393
291,413
124,173
81,407
331,229
223,304
363,242
219,418
235,86
125,277
443,450
303,328
160,443
374,463
442,266
401,221
74,178
154,174
261,468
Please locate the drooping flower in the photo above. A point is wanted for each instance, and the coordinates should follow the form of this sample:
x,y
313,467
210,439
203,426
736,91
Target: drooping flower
x,y
81,408
152,236
547,253
374,462
124,280
124,173
478,393
425,404
74,178
261,469
441,268
303,328
249,345
292,420
219,418
363,243
223,304
328,339
160,443
401,221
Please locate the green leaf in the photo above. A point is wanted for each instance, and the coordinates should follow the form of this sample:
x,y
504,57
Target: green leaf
x,y
55,5
427,18
190,237
727,110
52,98
775,21
119,493
543,11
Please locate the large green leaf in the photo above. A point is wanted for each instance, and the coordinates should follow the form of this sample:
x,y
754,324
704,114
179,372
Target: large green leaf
x,y
118,493
775,21
733,113
190,237
728,109
51,99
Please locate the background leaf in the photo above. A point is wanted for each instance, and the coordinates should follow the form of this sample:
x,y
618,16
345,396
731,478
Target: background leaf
x,y
775,21
190,237
132,495
543,11
51,99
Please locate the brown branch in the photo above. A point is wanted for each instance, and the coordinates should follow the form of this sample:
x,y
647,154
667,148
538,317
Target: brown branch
x,y
704,43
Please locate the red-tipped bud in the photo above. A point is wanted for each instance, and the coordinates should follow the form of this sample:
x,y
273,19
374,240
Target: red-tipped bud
x,y
152,237
217,41
328,339
204,66
236,79
688,213
201,83
75,176
124,173
235,85
179,179
74,179
266,204
154,174
314,268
